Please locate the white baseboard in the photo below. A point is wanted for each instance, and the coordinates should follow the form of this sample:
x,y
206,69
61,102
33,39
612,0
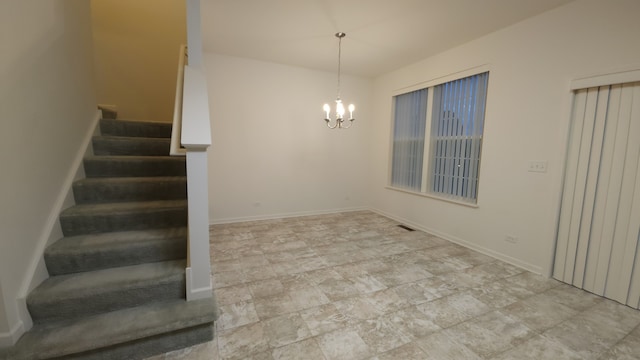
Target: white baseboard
x,y
10,337
283,215
481,249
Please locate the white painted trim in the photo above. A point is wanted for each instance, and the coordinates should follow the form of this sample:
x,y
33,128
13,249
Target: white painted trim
x,y
467,244
197,293
199,260
194,32
9,338
36,272
176,148
432,196
610,78
283,215
196,129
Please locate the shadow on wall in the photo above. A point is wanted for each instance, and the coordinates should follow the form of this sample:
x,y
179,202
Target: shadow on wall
x,y
136,45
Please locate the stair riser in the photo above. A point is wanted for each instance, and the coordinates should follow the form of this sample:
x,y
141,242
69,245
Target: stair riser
x,y
135,129
131,146
171,249
147,347
134,167
66,309
85,193
92,224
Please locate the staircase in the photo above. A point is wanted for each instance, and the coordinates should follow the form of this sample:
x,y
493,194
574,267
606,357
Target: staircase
x,y
117,277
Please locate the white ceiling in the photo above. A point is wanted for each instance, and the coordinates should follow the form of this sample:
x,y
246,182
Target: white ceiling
x,y
382,35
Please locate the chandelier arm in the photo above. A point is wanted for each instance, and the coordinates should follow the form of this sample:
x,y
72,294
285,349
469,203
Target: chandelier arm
x,y
350,123
329,124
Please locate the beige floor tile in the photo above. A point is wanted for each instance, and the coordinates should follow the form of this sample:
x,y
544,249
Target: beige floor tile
x,y
232,294
453,309
343,344
325,318
358,308
538,348
408,351
381,335
490,334
539,312
237,314
307,297
302,350
241,342
367,289
440,346
274,306
587,335
573,297
412,321
338,289
265,288
286,329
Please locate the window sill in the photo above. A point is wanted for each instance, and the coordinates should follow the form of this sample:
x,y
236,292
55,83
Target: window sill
x,y
435,197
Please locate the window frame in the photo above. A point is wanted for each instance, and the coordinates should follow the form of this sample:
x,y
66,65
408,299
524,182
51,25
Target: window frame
x,y
427,162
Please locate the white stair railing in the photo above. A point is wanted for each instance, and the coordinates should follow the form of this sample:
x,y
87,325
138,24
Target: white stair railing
x,y
191,126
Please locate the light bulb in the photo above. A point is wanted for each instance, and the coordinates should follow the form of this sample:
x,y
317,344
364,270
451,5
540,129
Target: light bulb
x,y
327,110
351,109
339,109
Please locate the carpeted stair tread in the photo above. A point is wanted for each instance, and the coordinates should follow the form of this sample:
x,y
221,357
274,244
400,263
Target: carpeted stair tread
x,y
101,336
115,249
113,127
126,145
134,166
89,293
126,189
125,216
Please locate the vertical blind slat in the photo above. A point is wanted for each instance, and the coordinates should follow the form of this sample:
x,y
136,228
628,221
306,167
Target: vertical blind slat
x,y
631,262
597,226
597,140
566,209
626,181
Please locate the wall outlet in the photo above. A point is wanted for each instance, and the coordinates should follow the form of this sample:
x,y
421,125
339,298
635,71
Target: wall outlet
x,y
538,166
511,239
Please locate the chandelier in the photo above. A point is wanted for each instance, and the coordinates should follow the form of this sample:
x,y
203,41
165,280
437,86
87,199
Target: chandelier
x,y
339,110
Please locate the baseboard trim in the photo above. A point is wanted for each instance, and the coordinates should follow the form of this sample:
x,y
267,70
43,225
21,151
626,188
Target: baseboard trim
x,y
283,215
481,249
10,337
37,272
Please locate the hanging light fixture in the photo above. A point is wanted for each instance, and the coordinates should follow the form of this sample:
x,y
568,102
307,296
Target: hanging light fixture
x,y
339,111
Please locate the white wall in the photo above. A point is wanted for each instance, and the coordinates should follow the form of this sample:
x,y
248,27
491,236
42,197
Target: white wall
x,y
527,118
136,61
272,154
47,104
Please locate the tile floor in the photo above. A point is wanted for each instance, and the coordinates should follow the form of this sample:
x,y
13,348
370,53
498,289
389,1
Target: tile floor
x,y
356,286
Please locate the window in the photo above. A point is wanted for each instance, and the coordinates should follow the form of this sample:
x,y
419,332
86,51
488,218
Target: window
x,y
408,139
453,131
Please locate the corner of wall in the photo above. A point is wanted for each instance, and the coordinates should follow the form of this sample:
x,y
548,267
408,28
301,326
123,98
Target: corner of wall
x,y
37,271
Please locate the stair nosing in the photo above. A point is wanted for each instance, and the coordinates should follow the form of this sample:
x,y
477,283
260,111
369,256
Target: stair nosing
x,y
52,286
110,208
204,312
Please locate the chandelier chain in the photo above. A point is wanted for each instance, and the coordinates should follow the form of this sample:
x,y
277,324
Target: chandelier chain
x,y
339,62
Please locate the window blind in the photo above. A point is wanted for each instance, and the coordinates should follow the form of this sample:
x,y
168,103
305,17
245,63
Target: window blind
x,y
456,137
408,139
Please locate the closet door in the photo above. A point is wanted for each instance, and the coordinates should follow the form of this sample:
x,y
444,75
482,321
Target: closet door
x,y
599,229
